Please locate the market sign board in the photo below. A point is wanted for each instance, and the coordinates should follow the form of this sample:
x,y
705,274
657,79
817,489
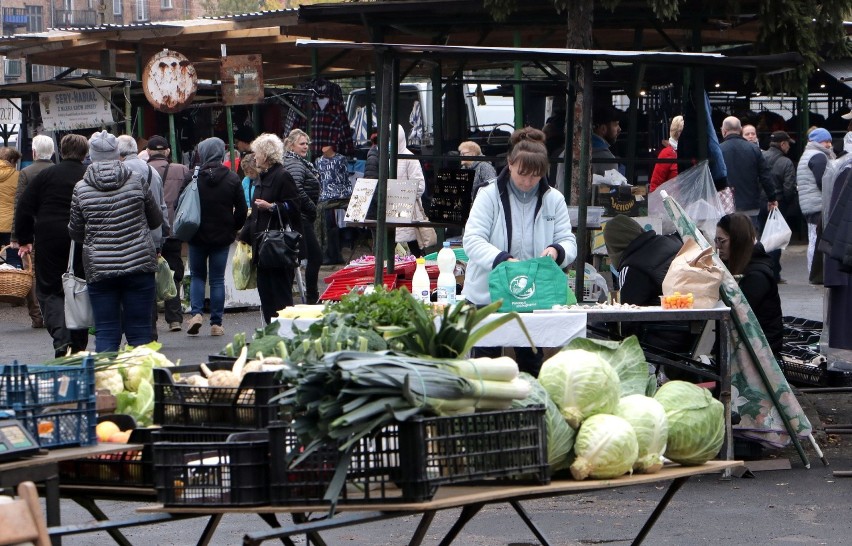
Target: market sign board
x,y
242,79
10,112
169,81
74,109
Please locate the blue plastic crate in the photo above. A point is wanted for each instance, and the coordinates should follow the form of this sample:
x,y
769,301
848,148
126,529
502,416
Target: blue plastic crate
x,y
30,386
57,404
61,425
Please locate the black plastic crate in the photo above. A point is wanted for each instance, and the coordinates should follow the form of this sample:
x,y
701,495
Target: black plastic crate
x,y
131,468
247,407
34,386
406,462
219,470
802,323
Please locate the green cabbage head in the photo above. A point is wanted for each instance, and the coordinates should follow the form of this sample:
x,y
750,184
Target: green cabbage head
x,y
696,422
606,447
581,384
649,421
560,436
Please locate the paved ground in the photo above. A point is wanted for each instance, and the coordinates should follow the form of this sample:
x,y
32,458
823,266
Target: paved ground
x,y
796,506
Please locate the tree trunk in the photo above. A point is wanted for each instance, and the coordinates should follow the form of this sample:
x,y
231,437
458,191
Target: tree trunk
x,y
580,19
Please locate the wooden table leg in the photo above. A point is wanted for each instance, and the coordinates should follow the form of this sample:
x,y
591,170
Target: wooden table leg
x,y
51,498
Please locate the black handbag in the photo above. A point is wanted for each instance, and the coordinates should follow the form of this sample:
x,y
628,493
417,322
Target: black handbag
x,y
278,248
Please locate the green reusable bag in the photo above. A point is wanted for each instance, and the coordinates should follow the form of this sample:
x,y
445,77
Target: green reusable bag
x,y
528,285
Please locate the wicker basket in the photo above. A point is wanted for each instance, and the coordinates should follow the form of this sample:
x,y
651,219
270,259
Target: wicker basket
x,y
16,283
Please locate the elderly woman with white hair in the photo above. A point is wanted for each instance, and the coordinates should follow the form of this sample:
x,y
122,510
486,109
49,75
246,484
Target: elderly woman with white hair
x,y
275,197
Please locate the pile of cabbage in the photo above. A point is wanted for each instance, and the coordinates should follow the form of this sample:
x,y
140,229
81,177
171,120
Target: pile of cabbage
x,y
129,376
606,418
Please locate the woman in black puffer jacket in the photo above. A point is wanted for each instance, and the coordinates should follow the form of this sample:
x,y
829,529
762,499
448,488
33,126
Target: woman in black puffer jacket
x,y
307,181
112,215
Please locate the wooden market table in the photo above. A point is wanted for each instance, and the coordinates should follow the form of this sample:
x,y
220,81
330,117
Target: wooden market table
x,y
471,499
44,469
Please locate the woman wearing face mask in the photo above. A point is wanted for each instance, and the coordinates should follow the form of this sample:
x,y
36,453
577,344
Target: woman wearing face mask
x,y
746,260
518,217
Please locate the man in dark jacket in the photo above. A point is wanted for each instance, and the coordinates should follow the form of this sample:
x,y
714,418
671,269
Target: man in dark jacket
x,y
223,213
783,174
173,176
42,215
747,171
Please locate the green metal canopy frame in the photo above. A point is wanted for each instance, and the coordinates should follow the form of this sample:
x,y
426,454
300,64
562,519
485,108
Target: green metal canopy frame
x,y
388,56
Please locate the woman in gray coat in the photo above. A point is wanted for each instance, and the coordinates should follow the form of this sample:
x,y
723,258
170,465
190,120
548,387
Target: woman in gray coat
x,y
112,215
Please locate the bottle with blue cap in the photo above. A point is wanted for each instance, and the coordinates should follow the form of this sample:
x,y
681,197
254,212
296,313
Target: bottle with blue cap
x,y
446,289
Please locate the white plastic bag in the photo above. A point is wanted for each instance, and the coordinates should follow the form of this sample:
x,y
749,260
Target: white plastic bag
x,y
693,189
776,232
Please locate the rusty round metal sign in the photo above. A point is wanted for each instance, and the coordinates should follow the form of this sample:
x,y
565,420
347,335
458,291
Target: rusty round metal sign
x,y
169,81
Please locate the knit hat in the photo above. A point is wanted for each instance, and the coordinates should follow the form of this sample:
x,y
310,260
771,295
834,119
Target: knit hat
x,y
819,135
157,142
618,234
103,146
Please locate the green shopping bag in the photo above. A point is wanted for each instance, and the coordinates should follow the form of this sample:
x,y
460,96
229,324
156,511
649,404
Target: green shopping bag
x,y
529,285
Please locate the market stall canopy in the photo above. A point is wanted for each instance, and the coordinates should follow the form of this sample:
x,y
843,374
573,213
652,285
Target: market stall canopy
x,y
273,35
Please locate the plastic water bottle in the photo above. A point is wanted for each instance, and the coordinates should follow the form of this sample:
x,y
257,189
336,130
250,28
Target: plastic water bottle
x,y
446,279
420,288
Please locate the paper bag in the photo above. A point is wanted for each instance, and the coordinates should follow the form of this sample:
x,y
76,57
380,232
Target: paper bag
x,y
693,270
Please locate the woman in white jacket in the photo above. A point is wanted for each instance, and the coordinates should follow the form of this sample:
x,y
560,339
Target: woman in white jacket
x,y
410,169
516,217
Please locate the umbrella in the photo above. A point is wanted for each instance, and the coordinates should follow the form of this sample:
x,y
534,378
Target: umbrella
x,y
769,411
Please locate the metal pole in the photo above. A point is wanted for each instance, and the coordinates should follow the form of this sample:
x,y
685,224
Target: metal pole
x,y
519,90
229,123
568,153
172,138
582,183
382,189
128,116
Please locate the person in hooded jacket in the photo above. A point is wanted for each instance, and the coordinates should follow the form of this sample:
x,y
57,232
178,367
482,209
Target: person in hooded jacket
x,y
223,213
112,214
42,215
307,180
275,193
8,188
642,259
752,266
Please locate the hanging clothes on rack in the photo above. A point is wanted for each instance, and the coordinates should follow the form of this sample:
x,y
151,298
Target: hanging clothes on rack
x,y
326,117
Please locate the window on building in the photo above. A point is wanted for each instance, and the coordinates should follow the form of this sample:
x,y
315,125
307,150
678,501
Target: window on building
x,y
13,68
116,7
166,4
142,10
35,19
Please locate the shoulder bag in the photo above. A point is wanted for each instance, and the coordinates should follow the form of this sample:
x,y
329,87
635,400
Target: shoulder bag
x,y
188,211
278,248
78,308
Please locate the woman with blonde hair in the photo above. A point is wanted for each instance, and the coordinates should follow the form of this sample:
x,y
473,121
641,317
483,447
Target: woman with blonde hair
x,y
275,196
307,180
666,171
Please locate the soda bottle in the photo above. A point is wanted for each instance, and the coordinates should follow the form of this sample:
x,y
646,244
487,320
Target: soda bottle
x,y
420,282
446,279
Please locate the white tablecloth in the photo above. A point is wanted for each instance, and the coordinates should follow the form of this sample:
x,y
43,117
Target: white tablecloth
x,y
546,329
